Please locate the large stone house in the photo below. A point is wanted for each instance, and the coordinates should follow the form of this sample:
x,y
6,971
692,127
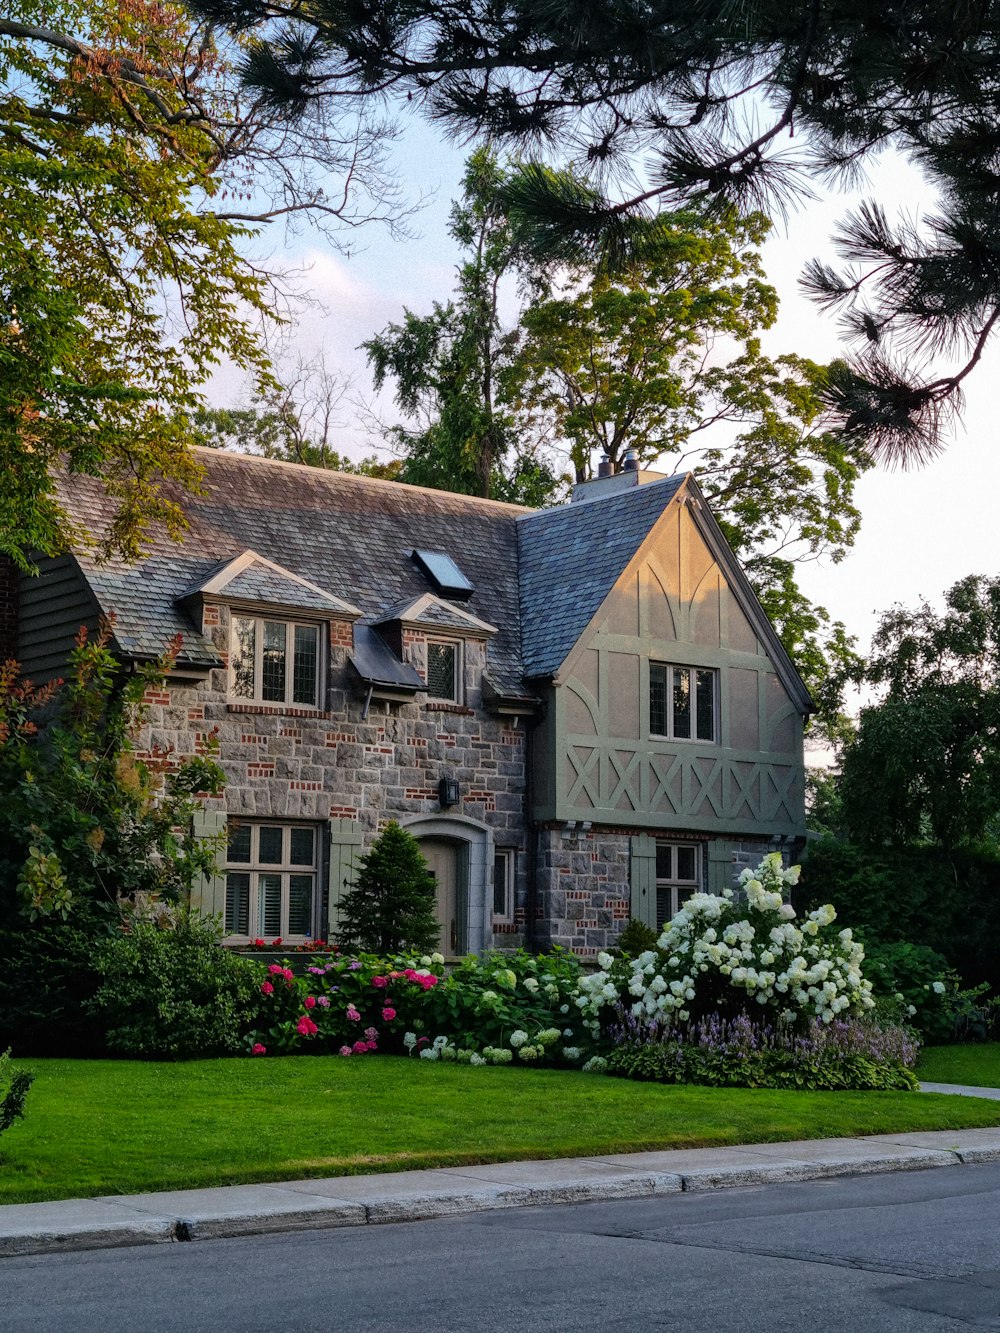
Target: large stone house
x,y
582,713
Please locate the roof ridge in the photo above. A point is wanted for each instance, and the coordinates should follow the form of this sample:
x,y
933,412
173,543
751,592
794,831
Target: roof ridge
x,y
361,479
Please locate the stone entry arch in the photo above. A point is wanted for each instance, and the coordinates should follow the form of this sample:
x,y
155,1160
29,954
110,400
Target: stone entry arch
x,y
463,847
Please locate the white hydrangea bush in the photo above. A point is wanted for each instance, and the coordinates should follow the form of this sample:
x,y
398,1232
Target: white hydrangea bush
x,y
794,969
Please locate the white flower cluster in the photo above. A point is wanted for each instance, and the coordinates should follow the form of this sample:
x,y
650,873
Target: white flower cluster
x,y
757,946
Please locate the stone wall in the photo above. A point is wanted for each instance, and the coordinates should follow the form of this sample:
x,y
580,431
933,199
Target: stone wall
x,y
583,887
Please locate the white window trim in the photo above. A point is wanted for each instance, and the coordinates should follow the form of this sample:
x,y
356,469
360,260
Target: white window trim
x,y
255,868
673,884
258,663
669,668
458,691
508,856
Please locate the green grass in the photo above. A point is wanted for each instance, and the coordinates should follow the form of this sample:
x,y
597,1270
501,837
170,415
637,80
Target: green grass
x,y
111,1127
977,1065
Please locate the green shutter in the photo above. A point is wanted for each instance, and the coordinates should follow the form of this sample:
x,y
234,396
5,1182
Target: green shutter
x,y
642,879
208,893
345,848
720,865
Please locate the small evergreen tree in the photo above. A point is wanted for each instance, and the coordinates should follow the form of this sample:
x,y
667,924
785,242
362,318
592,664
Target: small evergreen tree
x,y
391,908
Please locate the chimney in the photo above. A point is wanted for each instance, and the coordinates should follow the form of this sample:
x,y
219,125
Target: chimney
x,y
631,463
610,482
604,467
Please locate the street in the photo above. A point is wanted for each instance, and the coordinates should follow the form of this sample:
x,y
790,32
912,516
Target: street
x,y
907,1251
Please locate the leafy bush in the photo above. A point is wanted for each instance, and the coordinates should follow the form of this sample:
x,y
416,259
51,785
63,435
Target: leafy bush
x,y
173,993
738,1052
720,955
914,984
14,1085
636,938
391,908
47,975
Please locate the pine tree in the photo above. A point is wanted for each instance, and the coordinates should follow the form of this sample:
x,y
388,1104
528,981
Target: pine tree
x,y
391,908
722,104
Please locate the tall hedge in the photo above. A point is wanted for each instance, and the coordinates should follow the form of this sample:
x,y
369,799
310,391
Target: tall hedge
x,y
947,900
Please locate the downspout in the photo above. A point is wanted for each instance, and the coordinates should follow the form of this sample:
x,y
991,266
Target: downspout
x,y
533,831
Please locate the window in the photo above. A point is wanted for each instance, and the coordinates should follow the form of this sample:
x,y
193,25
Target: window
x,y
677,877
274,661
683,702
444,666
503,885
270,880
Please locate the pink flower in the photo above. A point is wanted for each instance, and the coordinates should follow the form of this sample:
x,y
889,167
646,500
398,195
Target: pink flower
x,y
305,1027
353,1014
267,988
360,1047
388,1014
258,1049
287,973
380,982
423,1041
371,1034
346,1050
323,1001
276,969
310,1002
372,1045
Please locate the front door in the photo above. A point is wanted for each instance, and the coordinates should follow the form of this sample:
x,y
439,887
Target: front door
x,y
445,861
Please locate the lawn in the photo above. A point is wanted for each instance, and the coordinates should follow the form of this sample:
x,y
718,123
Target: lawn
x,y
977,1065
109,1127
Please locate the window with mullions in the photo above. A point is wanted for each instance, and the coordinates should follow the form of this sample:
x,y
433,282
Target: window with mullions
x,y
503,884
678,875
275,661
444,668
270,880
683,702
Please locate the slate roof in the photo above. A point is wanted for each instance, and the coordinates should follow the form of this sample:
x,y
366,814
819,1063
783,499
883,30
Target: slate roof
x,y
429,610
256,579
376,663
351,535
571,557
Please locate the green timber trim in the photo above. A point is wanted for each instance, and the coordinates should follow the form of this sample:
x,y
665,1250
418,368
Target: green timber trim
x,y
642,879
345,848
208,893
720,865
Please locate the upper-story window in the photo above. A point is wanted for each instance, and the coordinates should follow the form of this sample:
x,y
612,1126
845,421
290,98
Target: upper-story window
x,y
683,702
444,670
275,661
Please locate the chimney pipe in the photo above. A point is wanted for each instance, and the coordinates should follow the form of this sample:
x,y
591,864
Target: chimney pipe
x,y
604,466
631,463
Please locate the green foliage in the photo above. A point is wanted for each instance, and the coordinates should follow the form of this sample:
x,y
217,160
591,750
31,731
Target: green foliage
x,y
949,901
85,817
173,993
737,105
134,173
14,1085
391,907
47,975
915,985
636,938
762,1069
925,764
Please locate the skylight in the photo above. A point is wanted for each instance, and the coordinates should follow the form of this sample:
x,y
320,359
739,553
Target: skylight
x,y
445,575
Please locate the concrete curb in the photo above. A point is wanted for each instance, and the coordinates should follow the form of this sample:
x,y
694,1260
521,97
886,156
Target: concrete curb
x,y
352,1201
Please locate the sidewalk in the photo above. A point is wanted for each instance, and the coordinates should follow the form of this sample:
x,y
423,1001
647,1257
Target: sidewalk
x,y
352,1201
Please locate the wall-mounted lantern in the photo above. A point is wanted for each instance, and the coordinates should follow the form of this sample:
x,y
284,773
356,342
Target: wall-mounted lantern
x,y
448,792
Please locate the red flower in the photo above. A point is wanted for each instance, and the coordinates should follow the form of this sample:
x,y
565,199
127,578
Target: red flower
x,y
360,1047
380,982
259,1049
305,1027
388,1014
310,1002
267,988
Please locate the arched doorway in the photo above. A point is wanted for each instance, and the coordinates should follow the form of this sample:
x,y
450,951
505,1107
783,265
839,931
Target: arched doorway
x,y
459,853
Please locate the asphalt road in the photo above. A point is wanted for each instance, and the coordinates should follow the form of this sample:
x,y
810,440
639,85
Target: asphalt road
x,y
910,1251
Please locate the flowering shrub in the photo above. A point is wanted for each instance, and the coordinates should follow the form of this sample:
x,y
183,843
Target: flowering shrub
x,y
723,955
272,946
737,1052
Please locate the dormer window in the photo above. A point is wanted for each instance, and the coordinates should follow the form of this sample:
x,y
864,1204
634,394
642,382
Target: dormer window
x,y
444,670
275,661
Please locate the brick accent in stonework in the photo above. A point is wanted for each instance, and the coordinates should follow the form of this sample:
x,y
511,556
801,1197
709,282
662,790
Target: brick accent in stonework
x,y
210,616
156,696
341,634
8,610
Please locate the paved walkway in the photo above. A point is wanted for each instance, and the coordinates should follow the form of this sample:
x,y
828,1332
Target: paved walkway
x,y
961,1090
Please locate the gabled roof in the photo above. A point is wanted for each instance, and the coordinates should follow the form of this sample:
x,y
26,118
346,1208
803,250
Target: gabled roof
x,y
570,559
251,578
432,611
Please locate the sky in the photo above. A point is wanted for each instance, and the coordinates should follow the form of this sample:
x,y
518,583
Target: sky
x,y
921,530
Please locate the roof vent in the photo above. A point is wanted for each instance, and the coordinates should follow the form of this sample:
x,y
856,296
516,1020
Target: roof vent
x,y
444,574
